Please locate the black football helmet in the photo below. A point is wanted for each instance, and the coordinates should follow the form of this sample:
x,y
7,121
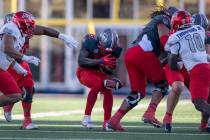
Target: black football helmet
x,y
108,40
200,19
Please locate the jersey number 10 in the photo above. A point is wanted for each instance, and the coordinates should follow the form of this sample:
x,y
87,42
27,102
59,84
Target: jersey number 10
x,y
195,43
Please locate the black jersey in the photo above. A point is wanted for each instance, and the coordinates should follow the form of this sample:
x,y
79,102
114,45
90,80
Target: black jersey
x,y
91,42
207,40
152,32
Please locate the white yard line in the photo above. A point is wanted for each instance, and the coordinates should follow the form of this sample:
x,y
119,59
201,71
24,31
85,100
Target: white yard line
x,y
73,112
99,126
104,132
18,138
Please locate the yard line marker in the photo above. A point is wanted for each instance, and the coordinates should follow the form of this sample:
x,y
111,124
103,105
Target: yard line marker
x,y
73,112
12,138
104,132
99,126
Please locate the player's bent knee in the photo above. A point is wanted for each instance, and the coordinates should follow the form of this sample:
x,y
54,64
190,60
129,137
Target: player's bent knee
x,y
162,87
178,87
133,99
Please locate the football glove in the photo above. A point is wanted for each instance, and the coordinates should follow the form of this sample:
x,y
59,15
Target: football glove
x,y
31,59
109,61
69,41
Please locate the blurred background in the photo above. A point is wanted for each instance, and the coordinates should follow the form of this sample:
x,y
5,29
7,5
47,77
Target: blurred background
x,y
56,74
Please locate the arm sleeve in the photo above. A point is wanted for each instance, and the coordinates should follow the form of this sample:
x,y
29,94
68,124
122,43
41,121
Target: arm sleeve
x,y
174,48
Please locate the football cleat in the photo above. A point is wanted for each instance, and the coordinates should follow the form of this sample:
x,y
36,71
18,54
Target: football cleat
x,y
109,127
8,116
29,126
167,127
87,122
204,128
153,121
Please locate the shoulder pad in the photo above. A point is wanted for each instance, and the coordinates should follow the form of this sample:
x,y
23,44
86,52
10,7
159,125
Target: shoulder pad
x,y
162,19
90,42
9,29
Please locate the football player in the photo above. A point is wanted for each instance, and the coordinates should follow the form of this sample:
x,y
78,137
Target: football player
x,y
201,19
97,60
142,63
26,84
12,38
188,43
178,78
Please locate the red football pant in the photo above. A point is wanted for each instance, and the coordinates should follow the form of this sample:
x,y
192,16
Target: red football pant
x,y
8,84
173,75
93,79
22,81
26,82
141,66
200,81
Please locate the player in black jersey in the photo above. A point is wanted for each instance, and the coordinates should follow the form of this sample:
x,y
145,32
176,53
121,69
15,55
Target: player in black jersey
x,y
97,59
142,63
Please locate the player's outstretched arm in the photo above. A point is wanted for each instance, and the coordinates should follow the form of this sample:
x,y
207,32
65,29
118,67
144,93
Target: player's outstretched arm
x,y
8,45
68,40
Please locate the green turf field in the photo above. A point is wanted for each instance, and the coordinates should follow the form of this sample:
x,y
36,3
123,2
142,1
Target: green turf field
x,y
58,118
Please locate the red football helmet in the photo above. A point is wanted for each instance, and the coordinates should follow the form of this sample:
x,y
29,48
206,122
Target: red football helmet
x,y
179,19
25,22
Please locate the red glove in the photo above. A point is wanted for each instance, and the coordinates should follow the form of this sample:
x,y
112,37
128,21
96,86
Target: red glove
x,y
109,61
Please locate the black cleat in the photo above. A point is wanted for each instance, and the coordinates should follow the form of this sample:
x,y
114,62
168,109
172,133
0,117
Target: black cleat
x,y
167,127
206,130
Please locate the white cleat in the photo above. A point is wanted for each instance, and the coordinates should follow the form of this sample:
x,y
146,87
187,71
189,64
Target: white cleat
x,y
8,116
86,122
30,126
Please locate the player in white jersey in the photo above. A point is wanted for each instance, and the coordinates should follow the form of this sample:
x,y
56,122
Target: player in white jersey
x,y
187,44
9,44
177,79
27,83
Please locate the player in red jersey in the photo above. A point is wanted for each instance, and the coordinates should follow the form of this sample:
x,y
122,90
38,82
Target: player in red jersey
x,y
97,59
26,83
188,44
142,63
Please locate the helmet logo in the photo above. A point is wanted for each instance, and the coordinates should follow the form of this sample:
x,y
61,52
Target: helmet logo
x,y
103,38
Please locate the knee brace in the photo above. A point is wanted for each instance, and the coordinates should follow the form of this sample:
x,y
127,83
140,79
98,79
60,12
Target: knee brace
x,y
162,87
28,93
133,99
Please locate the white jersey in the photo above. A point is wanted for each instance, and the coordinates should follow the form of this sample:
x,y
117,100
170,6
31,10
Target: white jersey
x,y
189,45
12,30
